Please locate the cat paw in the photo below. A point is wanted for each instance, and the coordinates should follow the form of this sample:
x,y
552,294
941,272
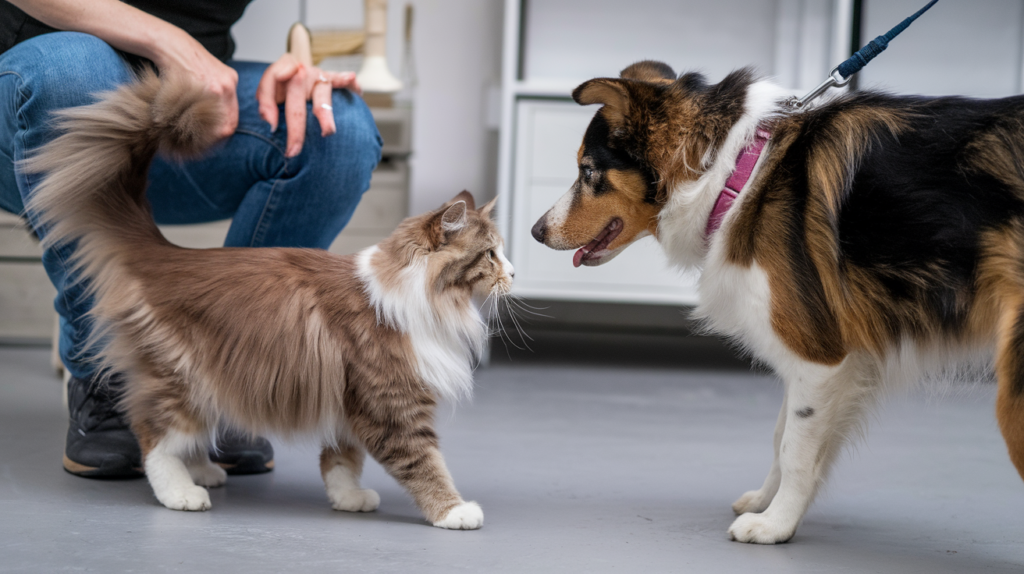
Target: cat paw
x,y
465,516
355,500
207,474
191,497
752,501
761,529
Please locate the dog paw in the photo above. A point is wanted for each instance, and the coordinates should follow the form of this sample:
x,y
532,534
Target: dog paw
x,y
191,497
354,500
751,501
207,474
465,516
761,529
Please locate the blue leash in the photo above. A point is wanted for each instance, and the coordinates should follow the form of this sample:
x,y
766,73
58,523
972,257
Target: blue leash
x,y
842,73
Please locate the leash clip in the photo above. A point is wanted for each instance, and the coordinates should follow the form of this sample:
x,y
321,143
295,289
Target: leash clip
x,y
834,80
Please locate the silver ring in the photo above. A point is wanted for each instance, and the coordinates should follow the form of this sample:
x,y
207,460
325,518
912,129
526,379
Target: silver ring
x,y
322,79
327,107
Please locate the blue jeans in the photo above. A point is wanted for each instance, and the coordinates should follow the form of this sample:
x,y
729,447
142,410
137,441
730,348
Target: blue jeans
x,y
273,201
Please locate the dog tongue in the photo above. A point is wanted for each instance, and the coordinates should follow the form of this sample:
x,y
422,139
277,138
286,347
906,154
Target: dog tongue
x,y
577,258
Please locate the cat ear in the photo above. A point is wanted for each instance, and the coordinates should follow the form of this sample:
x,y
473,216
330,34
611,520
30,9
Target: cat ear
x,y
488,207
446,221
464,196
454,217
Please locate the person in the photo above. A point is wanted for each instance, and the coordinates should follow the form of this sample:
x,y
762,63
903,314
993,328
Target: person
x,y
290,187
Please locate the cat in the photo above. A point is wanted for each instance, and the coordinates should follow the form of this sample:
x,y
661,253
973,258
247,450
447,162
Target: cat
x,y
356,350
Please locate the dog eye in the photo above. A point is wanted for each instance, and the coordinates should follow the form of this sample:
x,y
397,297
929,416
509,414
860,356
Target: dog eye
x,y
587,172
490,254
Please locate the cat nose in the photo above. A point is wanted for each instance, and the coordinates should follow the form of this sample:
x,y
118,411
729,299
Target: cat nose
x,y
540,229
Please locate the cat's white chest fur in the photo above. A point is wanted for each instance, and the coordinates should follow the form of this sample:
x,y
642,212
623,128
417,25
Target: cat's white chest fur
x,y
443,340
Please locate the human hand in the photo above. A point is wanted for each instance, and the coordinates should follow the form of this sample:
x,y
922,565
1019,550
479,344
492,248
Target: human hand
x,y
293,83
183,55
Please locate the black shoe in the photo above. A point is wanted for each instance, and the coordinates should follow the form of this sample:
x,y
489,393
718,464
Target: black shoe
x,y
99,443
241,453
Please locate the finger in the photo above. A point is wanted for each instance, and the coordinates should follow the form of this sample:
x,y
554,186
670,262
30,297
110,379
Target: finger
x,y
295,112
322,109
229,101
269,88
266,93
231,121
283,75
346,80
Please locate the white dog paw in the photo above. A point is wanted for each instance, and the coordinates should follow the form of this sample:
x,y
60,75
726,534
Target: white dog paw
x,y
751,501
207,474
354,500
761,529
191,497
465,516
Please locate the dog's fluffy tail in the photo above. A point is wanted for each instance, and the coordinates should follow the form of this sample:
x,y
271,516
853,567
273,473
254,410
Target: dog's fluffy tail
x,y
95,173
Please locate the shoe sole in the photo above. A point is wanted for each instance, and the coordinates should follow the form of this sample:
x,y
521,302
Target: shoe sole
x,y
247,466
244,467
82,470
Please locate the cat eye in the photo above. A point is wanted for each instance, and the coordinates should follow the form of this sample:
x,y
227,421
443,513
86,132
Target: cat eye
x,y
490,254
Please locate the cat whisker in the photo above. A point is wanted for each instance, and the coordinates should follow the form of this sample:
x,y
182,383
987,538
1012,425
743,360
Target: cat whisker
x,y
523,336
523,302
502,335
526,308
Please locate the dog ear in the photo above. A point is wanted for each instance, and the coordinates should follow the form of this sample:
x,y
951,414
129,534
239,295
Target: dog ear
x,y
488,207
608,91
649,71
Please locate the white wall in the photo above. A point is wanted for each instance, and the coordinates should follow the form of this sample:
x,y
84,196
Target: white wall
x,y
958,47
458,54
457,46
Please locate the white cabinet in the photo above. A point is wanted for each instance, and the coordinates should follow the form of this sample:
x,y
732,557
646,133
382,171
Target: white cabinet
x,y
959,47
553,45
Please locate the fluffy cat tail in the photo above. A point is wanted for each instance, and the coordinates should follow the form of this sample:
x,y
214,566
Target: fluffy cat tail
x,y
94,186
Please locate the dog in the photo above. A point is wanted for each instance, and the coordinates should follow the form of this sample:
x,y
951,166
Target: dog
x,y
852,246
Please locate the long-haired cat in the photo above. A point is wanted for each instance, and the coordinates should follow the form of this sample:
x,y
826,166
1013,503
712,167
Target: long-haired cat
x,y
354,349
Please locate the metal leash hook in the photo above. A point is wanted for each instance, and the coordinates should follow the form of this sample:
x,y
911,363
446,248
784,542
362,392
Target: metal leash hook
x,y
835,80
841,74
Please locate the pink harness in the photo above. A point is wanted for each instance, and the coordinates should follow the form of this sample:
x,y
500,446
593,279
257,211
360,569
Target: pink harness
x,y
734,185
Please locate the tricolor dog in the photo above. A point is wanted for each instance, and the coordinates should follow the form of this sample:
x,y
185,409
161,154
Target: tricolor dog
x,y
852,246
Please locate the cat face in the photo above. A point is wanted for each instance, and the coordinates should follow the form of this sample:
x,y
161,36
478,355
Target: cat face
x,y
466,250
457,246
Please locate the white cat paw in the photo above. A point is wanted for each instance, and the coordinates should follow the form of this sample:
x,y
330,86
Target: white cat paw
x,y
207,474
761,529
751,501
354,500
465,516
191,497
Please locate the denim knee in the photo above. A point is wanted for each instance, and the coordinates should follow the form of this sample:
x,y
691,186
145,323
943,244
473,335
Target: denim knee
x,y
345,160
66,69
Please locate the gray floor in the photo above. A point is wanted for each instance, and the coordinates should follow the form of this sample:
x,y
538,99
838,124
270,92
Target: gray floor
x,y
582,463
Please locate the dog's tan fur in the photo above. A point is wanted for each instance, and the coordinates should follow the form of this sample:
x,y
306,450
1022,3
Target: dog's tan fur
x,y
273,340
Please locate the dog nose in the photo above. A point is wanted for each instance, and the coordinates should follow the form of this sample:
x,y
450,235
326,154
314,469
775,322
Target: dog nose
x,y
540,229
